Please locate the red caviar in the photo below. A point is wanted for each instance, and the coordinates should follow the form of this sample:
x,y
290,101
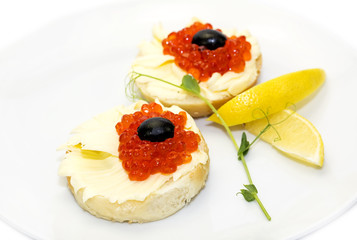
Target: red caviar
x,y
141,158
202,63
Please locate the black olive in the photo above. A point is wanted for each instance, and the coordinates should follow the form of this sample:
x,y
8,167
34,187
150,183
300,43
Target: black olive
x,y
156,129
209,38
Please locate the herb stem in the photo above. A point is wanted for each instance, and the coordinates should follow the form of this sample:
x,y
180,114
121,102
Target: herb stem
x,y
159,79
262,207
237,147
220,118
258,136
230,135
246,168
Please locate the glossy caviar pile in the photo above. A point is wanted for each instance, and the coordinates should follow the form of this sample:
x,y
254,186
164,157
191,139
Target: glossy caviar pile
x,y
141,158
202,63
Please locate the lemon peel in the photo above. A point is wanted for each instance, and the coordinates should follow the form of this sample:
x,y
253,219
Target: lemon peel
x,y
270,97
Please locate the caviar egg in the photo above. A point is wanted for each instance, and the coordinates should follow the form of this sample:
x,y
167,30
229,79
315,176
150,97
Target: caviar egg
x,y
156,129
209,38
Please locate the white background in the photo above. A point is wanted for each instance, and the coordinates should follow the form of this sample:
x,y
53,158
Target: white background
x,y
19,18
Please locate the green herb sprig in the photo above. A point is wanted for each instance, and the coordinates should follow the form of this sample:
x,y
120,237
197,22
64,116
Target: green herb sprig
x,y
189,84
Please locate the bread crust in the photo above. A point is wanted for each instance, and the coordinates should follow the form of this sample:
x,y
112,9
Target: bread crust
x,y
170,198
201,109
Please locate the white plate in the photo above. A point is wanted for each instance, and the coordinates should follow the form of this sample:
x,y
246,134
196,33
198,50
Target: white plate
x,y
75,68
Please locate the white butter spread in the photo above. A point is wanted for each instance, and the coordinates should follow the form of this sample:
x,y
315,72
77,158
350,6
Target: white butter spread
x,y
106,176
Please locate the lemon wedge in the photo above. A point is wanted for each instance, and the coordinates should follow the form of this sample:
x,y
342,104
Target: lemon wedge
x,y
270,97
294,136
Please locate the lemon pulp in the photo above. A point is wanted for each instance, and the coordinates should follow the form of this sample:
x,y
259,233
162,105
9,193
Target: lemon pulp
x,y
293,135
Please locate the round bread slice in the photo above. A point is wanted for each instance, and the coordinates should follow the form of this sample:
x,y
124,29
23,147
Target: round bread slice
x,y
173,196
218,89
162,202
